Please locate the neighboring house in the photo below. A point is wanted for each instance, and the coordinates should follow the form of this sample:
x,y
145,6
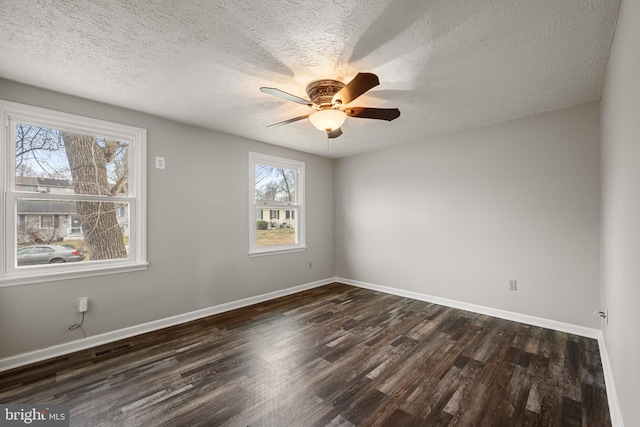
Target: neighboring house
x,y
44,185
46,221
52,220
278,218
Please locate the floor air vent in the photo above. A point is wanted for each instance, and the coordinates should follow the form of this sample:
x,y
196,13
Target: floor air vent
x,y
112,350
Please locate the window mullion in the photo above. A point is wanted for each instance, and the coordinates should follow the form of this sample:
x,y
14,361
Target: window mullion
x,y
69,197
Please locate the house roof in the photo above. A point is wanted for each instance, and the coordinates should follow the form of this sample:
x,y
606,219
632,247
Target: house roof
x,y
447,64
46,207
43,182
53,182
26,180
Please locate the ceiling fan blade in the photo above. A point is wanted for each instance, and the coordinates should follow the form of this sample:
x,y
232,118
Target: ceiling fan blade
x,y
373,113
286,122
334,133
286,96
361,83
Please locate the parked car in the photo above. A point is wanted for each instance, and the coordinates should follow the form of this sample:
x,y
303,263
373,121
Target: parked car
x,y
48,254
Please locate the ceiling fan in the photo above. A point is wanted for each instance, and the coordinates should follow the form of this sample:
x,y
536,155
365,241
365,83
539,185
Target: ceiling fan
x,y
329,97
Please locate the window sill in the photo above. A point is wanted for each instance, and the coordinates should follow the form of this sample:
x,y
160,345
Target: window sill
x,y
265,252
66,275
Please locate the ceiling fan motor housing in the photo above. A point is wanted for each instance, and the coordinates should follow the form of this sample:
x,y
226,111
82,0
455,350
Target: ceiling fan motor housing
x,y
329,97
321,92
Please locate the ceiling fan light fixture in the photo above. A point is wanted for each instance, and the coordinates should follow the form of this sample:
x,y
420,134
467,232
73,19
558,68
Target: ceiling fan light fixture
x,y
328,97
328,120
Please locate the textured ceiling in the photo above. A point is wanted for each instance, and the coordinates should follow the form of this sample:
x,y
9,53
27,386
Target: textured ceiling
x,y
447,64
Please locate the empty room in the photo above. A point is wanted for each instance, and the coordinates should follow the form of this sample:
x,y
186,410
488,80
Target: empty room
x,y
328,213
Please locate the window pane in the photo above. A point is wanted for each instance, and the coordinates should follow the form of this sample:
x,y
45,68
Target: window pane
x,y
99,229
278,193
33,221
278,231
56,161
275,184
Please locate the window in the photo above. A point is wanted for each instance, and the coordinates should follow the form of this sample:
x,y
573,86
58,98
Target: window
x,y
276,186
90,180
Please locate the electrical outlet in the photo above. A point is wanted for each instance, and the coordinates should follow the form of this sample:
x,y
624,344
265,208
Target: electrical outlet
x,y
513,285
83,304
310,264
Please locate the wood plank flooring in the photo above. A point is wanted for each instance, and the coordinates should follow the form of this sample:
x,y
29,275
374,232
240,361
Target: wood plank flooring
x,y
331,356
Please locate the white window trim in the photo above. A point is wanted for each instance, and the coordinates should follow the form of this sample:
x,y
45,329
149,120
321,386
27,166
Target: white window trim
x,y
300,245
9,274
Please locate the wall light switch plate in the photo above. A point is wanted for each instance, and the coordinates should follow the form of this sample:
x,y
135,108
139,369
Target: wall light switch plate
x,y
159,162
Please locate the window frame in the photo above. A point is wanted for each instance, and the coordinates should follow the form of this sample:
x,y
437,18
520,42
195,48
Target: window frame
x,y
298,204
10,274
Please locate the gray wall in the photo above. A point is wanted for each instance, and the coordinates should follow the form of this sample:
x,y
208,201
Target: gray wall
x,y
460,215
456,217
621,209
197,235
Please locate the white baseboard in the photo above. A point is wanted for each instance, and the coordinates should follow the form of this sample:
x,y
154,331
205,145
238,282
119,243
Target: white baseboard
x,y
612,397
23,359
502,314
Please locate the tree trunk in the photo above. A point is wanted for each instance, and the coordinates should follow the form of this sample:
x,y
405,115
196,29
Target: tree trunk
x,y
88,163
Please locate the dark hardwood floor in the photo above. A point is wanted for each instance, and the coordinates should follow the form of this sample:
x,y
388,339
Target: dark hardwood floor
x,y
337,356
